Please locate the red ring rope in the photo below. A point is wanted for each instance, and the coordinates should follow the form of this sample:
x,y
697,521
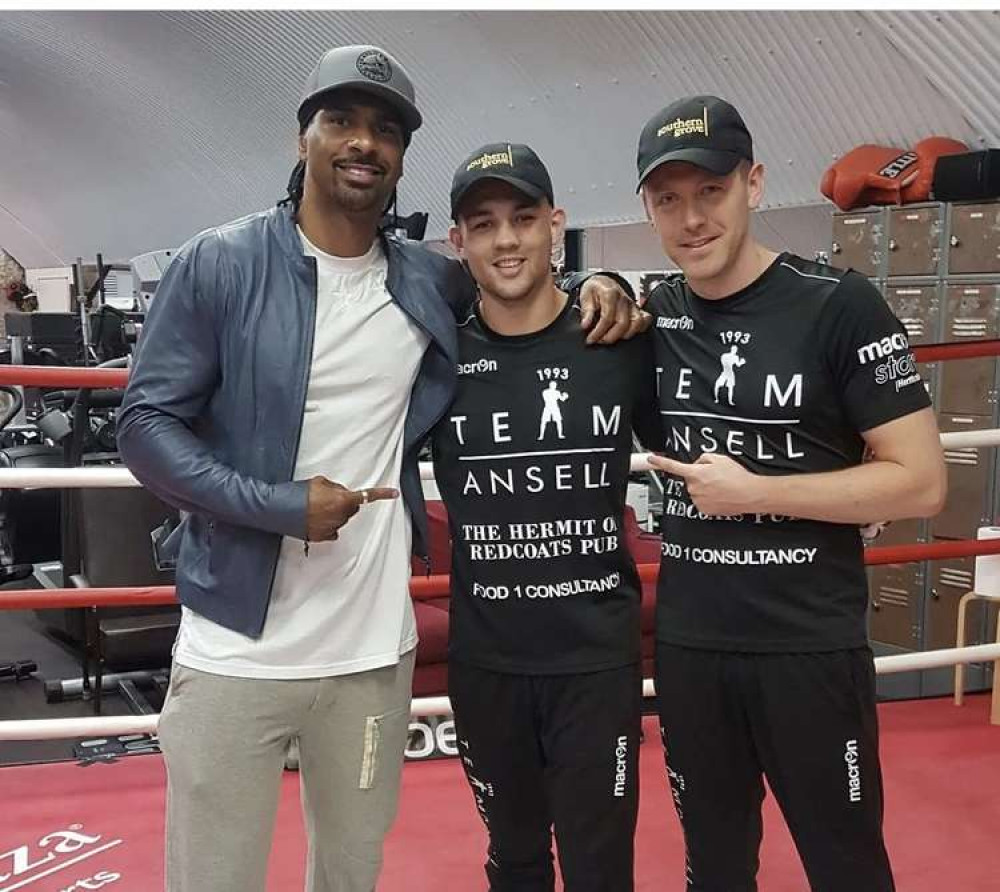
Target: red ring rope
x,y
423,588
966,350
73,376
46,598
933,551
62,376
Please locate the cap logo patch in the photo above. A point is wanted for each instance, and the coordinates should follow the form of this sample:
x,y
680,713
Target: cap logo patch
x,y
375,66
685,127
492,159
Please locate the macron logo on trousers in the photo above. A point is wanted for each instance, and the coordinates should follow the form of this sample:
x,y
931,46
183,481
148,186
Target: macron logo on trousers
x,y
853,771
621,750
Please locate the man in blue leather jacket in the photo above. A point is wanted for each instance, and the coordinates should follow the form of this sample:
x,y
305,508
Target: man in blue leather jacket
x,y
285,351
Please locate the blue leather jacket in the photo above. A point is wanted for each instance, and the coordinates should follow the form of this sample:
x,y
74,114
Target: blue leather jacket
x,y
213,411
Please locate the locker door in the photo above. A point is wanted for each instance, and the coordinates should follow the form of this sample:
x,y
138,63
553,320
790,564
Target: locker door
x,y
915,241
918,308
969,480
972,313
895,598
858,242
974,238
950,579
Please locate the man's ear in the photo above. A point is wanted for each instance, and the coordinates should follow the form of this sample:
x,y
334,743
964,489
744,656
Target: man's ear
x,y
755,184
645,206
455,237
558,225
302,145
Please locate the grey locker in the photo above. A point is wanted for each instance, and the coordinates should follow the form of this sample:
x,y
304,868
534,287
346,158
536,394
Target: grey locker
x,y
968,385
970,479
971,313
858,242
918,308
895,600
949,580
974,239
914,244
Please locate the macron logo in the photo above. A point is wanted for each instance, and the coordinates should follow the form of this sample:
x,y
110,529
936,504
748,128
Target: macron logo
x,y
881,348
621,767
681,323
853,771
478,367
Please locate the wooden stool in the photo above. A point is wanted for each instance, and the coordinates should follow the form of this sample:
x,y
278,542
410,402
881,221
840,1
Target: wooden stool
x,y
960,668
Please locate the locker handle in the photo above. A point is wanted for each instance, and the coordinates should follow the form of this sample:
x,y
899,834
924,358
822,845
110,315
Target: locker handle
x,y
835,248
935,595
875,604
893,244
953,241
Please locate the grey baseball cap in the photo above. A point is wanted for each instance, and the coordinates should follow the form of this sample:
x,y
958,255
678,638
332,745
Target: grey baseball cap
x,y
366,68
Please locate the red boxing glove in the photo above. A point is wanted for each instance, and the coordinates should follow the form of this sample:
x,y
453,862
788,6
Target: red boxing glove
x,y
885,175
865,175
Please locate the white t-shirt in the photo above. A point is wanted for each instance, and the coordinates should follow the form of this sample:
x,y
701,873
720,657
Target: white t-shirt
x,y
344,607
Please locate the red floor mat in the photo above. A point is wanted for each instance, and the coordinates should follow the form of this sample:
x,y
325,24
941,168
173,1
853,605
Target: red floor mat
x,y
104,823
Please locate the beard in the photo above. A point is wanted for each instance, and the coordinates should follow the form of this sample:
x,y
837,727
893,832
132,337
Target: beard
x,y
331,189
357,200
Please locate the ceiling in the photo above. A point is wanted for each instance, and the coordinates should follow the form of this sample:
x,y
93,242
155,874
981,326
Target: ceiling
x,y
123,132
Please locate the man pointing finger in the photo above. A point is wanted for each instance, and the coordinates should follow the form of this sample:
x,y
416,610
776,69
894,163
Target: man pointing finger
x,y
331,505
716,483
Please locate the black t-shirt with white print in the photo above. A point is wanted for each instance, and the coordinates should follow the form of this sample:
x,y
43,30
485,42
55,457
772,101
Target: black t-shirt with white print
x,y
532,464
782,376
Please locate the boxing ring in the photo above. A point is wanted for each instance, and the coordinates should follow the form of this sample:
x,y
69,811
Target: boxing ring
x,y
424,587
75,829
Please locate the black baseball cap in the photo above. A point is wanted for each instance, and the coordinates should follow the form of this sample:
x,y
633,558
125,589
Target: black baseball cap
x,y
509,162
702,130
369,69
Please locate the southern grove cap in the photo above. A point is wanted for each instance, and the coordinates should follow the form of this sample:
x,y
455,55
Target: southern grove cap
x,y
366,68
510,162
702,130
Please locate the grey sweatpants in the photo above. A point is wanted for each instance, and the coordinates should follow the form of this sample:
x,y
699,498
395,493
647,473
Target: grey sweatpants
x,y
224,740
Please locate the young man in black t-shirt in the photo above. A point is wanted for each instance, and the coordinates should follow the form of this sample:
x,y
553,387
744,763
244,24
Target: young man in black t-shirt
x,y
774,373
532,463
